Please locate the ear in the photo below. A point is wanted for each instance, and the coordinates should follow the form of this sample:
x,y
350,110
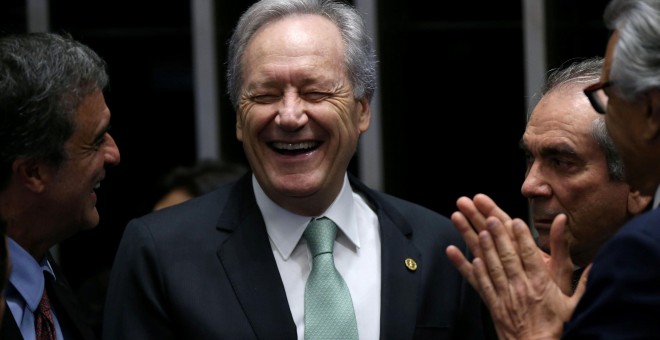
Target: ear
x,y
364,112
637,202
31,173
239,127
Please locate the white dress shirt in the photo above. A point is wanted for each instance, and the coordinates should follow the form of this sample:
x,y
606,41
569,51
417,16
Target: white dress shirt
x,y
356,254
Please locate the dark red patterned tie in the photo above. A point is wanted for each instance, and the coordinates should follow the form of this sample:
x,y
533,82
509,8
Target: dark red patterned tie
x,y
43,320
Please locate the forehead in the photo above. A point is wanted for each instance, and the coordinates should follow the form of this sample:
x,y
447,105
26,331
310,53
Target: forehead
x,y
295,36
93,108
91,117
563,115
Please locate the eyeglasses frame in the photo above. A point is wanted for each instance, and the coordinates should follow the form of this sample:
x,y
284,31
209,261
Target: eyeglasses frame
x,y
590,91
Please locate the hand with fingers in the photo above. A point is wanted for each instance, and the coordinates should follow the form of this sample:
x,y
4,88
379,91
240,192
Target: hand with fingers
x,y
516,280
471,216
516,284
470,219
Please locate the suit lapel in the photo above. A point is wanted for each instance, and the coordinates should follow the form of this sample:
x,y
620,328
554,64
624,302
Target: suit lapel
x,y
399,285
70,313
248,260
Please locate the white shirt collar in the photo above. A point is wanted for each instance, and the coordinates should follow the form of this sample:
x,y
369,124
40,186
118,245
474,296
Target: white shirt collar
x,y
286,228
656,198
27,275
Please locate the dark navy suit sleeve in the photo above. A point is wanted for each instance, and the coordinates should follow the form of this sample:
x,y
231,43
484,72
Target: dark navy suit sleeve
x,y
622,300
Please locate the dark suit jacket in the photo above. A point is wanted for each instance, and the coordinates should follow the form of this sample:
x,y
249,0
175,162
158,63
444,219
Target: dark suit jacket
x,y
70,315
622,300
205,270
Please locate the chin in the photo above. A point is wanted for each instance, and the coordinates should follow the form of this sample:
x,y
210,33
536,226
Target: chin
x,y
92,220
297,191
297,185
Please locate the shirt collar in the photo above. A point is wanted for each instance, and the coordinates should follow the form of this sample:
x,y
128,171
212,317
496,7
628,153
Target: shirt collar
x,y
286,228
656,198
27,276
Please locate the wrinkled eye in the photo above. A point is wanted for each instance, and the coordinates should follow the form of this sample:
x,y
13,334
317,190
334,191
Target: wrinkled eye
x,y
99,142
529,159
563,164
101,139
315,96
265,98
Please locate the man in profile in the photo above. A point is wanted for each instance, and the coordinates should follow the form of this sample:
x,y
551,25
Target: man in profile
x,y
54,150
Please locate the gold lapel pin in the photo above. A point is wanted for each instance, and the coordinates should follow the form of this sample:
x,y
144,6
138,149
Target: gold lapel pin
x,y
411,264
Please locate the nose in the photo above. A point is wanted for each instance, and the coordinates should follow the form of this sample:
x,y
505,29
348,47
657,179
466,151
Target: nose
x,y
291,114
535,184
112,155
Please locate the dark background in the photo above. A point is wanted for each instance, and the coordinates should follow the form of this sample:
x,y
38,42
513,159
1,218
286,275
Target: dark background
x,y
452,93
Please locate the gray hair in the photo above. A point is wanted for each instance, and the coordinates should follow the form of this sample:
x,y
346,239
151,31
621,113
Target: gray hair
x,y
587,71
43,79
636,67
359,55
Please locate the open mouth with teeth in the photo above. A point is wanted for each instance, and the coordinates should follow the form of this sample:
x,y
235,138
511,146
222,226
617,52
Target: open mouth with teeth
x,y
292,149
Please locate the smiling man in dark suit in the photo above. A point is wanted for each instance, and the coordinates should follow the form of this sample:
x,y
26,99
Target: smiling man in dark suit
x,y
233,264
54,148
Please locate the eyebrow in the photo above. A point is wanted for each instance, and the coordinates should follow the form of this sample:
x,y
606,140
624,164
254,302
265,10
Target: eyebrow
x,y
552,150
558,150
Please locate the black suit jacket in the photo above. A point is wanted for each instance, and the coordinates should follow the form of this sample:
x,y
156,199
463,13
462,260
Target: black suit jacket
x,y
70,315
622,300
205,270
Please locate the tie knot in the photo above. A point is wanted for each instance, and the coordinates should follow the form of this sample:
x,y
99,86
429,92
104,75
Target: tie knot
x,y
320,235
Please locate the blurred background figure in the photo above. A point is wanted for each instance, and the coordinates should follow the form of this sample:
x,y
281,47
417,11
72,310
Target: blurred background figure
x,y
186,182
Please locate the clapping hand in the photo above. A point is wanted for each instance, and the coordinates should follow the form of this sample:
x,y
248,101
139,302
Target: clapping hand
x,y
526,290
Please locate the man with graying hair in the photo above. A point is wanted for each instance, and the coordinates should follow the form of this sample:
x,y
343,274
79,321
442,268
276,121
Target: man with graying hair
x,y
297,248
622,295
573,168
54,148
